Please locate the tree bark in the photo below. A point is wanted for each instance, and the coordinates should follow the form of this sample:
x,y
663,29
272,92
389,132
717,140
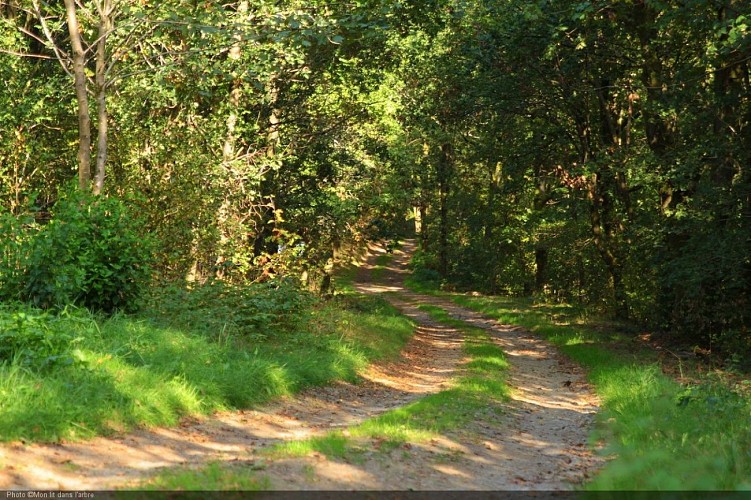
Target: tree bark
x,y
418,220
496,172
105,27
84,119
541,265
267,212
229,149
603,230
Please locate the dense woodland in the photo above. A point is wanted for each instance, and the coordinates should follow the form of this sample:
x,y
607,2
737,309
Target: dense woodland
x,y
592,152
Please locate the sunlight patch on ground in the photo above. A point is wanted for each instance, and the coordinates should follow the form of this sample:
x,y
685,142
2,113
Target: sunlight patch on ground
x,y
353,475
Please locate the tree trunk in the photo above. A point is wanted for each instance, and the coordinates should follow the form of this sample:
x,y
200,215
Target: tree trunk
x,y
445,165
84,119
543,195
495,177
105,27
601,213
267,212
418,220
541,264
423,211
228,151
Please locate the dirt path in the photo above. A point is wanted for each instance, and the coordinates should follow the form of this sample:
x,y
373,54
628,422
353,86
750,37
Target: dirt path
x,y
539,443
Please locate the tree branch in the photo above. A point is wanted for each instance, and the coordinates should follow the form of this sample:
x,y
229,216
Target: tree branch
x,y
62,56
21,54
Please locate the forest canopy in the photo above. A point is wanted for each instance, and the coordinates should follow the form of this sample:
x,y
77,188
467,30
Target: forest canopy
x,y
594,152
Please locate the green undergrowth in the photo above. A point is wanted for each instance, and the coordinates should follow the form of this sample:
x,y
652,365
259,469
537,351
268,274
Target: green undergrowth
x,y
75,375
663,435
476,395
424,281
344,278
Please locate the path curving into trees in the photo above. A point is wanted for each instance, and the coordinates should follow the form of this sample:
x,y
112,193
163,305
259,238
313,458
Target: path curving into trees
x,y
538,442
542,444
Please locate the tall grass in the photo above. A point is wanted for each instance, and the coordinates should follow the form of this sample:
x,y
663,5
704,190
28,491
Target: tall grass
x,y
128,371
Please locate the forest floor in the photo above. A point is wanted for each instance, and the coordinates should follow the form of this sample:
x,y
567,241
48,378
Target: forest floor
x,y
538,441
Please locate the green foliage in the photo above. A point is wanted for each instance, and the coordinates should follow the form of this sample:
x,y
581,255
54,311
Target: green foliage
x,y
424,275
558,150
669,437
92,253
16,235
37,122
703,294
36,340
581,167
253,310
230,157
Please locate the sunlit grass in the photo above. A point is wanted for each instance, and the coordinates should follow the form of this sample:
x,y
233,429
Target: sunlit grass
x,y
346,273
213,477
134,371
344,281
333,445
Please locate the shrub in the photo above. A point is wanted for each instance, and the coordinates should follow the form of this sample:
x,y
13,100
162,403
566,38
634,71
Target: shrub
x,y
93,253
425,273
253,310
32,339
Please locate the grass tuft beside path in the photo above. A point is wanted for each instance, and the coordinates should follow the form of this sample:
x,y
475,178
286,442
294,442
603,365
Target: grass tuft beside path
x,y
213,477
